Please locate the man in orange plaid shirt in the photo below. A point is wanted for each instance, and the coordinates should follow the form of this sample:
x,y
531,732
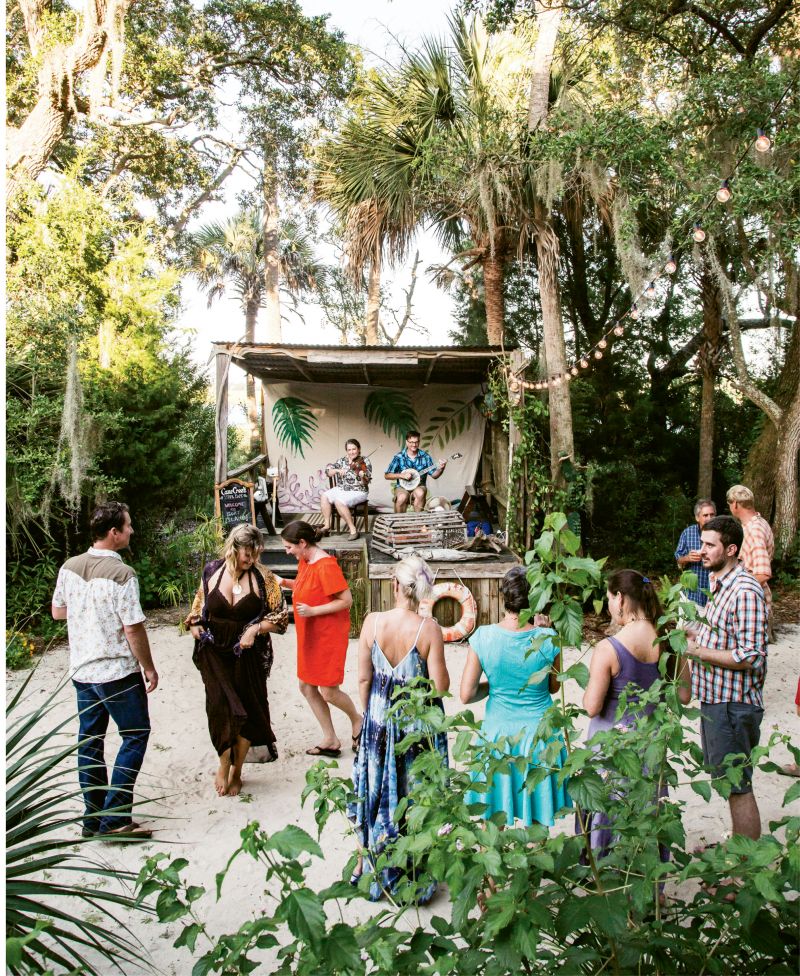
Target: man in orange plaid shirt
x,y
758,547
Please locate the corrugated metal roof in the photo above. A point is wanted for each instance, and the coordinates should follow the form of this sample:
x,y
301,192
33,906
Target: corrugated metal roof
x,y
390,366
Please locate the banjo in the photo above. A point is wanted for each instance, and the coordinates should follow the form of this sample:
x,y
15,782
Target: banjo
x,y
410,483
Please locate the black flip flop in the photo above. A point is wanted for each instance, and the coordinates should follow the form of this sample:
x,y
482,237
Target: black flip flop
x,y
321,751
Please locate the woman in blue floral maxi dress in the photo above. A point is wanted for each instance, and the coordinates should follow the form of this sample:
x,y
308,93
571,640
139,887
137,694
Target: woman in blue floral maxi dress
x,y
395,647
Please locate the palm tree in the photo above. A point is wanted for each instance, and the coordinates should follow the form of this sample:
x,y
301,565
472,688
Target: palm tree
x,y
365,175
230,254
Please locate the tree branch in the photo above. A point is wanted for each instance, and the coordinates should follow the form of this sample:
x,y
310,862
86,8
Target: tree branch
x,y
744,381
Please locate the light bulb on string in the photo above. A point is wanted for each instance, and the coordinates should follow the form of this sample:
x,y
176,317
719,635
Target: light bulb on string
x,y
557,380
763,141
650,291
602,344
598,354
724,192
671,266
698,233
584,364
574,371
619,330
634,312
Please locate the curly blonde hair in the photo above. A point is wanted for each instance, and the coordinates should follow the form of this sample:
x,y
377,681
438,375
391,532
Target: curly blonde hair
x,y
241,537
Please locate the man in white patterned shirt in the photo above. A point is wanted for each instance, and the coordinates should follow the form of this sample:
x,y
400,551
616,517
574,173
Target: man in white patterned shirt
x,y
98,596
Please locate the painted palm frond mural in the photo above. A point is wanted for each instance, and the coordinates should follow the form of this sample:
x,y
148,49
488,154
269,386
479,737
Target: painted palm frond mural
x,y
294,423
392,411
449,421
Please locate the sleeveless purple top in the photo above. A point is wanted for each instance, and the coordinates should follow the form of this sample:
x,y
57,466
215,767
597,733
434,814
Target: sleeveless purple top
x,y
631,671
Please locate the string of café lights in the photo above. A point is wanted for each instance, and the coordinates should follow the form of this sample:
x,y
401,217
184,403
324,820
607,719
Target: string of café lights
x,y
762,144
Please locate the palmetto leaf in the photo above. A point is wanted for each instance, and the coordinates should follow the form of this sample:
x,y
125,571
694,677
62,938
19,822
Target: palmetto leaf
x,y
42,798
294,423
450,421
392,411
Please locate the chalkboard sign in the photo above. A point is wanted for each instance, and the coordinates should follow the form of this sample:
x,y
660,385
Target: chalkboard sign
x,y
235,503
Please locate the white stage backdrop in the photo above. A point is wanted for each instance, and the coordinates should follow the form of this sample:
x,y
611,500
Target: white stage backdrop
x,y
308,424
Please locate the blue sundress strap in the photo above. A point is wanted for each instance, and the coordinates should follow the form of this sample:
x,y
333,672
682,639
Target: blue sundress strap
x,y
422,624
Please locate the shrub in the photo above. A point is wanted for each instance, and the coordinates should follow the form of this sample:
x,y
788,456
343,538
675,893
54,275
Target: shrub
x,y
19,650
41,863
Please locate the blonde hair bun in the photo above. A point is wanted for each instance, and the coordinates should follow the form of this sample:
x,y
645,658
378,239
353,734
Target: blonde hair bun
x,y
415,578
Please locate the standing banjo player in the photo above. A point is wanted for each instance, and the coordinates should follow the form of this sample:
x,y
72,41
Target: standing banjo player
x,y
353,474
412,465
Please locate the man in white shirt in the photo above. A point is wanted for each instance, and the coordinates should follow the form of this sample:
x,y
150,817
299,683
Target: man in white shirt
x,y
98,595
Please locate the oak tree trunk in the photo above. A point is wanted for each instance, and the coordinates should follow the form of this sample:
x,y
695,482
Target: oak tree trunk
x,y
548,21
708,359
561,437
62,68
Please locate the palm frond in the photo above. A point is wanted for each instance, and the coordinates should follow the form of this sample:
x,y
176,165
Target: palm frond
x,y
294,423
449,422
392,410
41,800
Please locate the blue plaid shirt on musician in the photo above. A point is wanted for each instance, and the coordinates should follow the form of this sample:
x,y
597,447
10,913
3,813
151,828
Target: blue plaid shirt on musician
x,y
735,621
401,462
690,541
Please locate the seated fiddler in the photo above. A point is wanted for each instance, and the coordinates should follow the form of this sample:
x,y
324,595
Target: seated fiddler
x,y
353,474
409,469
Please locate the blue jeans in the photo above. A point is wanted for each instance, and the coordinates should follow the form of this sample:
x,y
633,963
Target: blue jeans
x,y
125,701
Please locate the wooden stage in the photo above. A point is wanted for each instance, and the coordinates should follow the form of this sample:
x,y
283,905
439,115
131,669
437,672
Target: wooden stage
x,y
369,573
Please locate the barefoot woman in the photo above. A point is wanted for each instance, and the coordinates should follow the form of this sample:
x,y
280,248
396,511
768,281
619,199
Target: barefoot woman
x,y
321,601
238,605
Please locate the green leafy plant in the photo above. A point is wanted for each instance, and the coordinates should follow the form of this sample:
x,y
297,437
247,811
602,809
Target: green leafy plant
x,y
548,903
42,861
392,411
294,423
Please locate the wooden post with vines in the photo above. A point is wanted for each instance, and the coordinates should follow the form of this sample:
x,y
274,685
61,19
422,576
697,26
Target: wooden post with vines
x,y
223,362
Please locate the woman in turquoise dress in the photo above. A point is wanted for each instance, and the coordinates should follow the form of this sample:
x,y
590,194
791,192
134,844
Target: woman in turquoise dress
x,y
501,652
395,647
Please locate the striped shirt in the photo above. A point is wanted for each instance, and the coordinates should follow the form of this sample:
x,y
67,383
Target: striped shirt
x,y
757,551
690,541
101,594
735,621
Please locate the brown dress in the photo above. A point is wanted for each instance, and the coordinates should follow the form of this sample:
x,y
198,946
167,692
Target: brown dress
x,y
235,680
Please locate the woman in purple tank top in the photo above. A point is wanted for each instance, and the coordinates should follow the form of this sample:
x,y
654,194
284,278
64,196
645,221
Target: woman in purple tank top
x,y
629,658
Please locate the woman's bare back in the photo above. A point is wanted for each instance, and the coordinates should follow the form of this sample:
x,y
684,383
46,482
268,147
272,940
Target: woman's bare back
x,y
396,633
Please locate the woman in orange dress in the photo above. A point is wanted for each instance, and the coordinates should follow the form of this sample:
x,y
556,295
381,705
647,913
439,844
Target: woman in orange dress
x,y
321,601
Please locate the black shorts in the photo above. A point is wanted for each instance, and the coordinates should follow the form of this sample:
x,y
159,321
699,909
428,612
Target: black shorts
x,y
730,728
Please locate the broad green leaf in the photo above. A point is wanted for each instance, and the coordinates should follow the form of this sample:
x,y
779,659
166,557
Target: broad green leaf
x,y
578,672
303,912
292,841
702,788
341,949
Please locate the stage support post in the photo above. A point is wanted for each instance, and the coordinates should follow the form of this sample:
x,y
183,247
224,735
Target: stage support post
x,y
221,419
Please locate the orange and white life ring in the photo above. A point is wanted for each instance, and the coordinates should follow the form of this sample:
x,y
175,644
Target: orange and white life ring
x,y
469,609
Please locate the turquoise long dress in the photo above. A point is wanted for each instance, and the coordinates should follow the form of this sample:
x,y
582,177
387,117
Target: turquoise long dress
x,y
514,708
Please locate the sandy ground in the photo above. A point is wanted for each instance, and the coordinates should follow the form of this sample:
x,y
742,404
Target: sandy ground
x,y
200,826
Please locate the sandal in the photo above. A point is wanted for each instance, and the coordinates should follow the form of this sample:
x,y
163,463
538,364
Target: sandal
x,y
131,831
322,751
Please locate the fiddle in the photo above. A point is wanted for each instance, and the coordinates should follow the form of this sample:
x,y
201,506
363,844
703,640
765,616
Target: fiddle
x,y
359,468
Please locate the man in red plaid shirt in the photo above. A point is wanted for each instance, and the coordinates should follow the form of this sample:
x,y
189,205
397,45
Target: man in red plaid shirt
x,y
729,665
758,547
